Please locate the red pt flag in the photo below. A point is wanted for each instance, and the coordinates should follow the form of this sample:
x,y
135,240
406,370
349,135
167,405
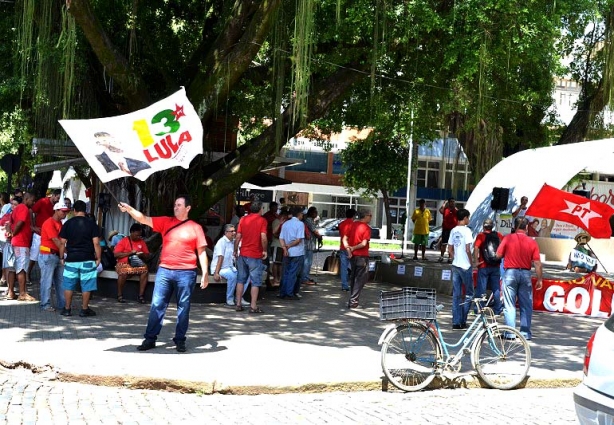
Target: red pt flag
x,y
592,216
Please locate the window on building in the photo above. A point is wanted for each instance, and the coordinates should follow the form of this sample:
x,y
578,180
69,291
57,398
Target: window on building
x,y
315,162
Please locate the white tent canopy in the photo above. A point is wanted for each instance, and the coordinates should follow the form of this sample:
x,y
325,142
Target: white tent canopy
x,y
524,173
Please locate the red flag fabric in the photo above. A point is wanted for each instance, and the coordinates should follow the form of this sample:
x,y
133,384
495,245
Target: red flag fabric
x,y
592,216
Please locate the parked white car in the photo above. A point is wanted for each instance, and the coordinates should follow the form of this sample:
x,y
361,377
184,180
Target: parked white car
x,y
594,397
434,235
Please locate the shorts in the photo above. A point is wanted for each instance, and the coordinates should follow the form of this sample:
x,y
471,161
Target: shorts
x,y
445,235
35,248
125,269
8,257
249,270
22,258
80,271
420,239
278,254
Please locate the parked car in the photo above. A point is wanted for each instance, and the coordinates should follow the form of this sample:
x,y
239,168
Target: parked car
x,y
332,229
434,235
594,397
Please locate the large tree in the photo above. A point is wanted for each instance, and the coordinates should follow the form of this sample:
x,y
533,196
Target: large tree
x,y
481,69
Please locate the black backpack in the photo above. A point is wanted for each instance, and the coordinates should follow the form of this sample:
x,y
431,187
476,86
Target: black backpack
x,y
489,249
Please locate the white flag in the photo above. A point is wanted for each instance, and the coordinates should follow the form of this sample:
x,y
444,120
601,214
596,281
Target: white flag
x,y
164,135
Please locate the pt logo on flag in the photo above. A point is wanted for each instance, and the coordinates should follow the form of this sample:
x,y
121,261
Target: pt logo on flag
x,y
582,211
166,147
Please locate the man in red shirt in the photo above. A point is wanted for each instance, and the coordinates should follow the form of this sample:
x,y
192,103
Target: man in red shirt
x,y
489,274
356,243
51,267
21,241
344,260
251,237
43,210
132,246
449,222
519,251
183,244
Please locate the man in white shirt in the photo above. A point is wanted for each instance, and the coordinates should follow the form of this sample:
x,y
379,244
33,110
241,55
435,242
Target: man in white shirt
x,y
291,241
459,250
222,263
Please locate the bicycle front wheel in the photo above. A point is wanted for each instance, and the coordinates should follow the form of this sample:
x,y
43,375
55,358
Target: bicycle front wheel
x,y
502,357
409,356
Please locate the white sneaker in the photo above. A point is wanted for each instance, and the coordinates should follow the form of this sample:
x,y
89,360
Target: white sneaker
x,y
244,303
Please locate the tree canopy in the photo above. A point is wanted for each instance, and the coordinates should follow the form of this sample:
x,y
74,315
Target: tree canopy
x,y
483,70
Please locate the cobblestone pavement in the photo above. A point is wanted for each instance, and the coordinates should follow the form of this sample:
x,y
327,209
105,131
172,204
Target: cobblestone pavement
x,y
27,401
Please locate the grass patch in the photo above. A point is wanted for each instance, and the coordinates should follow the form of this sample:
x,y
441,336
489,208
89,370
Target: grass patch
x,y
334,244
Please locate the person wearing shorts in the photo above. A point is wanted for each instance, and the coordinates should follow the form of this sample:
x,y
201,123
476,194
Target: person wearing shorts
x,y
21,239
251,237
421,218
81,244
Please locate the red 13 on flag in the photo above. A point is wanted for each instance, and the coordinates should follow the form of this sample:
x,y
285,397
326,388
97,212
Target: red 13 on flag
x,y
592,216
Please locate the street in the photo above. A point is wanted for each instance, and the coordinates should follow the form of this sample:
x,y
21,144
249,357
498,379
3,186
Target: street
x,y
27,401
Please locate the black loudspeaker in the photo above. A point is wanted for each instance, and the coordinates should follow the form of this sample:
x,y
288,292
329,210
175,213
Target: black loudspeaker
x,y
500,196
583,193
104,201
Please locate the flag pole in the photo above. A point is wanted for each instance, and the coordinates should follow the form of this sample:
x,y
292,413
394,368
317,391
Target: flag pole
x,y
589,247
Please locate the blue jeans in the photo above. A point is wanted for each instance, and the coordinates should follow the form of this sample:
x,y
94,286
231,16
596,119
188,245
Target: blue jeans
x,y
168,281
488,278
517,283
307,265
460,305
249,270
344,264
51,276
230,274
290,281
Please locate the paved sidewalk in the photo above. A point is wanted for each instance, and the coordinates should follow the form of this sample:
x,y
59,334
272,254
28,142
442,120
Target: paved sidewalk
x,y
312,341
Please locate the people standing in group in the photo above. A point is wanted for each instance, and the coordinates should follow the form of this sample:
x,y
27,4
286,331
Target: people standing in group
x,y
68,204
344,260
313,241
132,255
42,210
52,270
8,254
520,252
450,221
21,240
421,218
459,251
251,237
80,241
222,263
356,242
485,259
183,247
291,241
277,254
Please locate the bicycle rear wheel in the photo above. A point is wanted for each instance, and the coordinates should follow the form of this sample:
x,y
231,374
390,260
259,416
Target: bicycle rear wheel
x,y
502,357
409,356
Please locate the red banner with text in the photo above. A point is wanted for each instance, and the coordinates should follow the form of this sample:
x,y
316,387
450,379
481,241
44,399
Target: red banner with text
x,y
591,295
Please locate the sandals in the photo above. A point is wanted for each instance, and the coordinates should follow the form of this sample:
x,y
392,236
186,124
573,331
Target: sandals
x,y
120,299
239,308
256,310
141,299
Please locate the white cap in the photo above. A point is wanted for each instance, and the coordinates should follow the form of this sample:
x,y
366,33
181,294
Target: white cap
x,y
60,206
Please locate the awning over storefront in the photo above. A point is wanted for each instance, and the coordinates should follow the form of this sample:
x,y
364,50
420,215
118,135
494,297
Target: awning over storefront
x,y
267,180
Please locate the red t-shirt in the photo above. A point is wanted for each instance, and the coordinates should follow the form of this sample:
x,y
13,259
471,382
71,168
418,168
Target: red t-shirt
x,y
518,251
344,228
179,246
24,238
357,233
270,217
124,246
43,208
479,240
251,227
450,221
50,230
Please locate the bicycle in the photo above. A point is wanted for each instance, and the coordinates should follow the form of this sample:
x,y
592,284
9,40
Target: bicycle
x,y
414,351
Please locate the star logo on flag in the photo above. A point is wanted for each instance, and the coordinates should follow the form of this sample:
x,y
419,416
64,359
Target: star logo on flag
x,y
582,211
178,112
